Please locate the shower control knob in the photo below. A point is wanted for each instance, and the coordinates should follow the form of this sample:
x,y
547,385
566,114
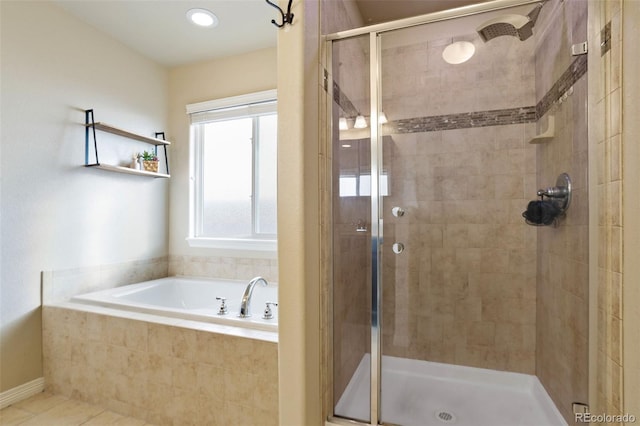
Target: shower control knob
x,y
397,211
398,248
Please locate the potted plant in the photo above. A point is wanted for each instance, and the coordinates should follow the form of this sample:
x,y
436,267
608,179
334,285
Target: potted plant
x,y
149,161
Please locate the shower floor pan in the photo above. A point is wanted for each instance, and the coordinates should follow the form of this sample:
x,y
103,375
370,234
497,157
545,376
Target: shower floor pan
x,y
422,393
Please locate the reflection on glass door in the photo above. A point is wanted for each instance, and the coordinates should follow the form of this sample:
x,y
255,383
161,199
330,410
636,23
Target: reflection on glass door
x,y
351,230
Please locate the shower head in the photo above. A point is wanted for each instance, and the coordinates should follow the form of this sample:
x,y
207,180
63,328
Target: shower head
x,y
511,25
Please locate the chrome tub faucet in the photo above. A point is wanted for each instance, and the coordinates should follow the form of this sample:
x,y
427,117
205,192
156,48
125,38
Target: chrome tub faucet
x,y
246,297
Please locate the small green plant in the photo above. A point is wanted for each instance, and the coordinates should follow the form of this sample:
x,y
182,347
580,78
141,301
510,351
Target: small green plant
x,y
149,156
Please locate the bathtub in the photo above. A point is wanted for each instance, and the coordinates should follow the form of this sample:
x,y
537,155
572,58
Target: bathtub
x,y
190,299
160,345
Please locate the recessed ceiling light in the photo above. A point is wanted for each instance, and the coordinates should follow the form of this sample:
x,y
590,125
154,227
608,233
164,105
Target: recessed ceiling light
x,y
458,52
202,17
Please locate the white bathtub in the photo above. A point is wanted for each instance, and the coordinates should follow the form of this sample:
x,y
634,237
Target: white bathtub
x,y
190,299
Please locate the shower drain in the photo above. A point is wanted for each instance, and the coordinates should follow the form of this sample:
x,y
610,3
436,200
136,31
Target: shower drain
x,y
445,417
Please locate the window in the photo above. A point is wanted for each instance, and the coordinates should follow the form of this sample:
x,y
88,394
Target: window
x,y
233,172
360,185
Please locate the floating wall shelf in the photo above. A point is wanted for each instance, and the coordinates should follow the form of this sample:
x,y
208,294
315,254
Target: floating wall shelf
x,y
91,125
127,134
128,170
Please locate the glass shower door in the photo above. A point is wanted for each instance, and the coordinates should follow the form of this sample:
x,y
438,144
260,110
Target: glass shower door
x,y
440,287
351,230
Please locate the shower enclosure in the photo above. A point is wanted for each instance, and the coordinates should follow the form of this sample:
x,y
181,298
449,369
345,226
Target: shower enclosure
x,y
446,306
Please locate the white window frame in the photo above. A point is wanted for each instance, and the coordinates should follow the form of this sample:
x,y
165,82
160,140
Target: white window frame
x,y
259,102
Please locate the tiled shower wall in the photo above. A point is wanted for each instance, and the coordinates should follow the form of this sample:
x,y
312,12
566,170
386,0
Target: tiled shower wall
x,y
562,352
606,102
464,289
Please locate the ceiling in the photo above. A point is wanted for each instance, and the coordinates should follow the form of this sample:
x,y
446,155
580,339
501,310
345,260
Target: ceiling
x,y
377,11
160,31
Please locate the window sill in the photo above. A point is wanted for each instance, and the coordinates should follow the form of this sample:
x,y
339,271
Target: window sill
x,y
234,244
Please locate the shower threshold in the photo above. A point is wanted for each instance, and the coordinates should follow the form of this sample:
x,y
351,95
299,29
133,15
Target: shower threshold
x,y
423,393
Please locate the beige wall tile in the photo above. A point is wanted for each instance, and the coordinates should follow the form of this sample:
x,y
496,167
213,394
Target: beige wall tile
x,y
167,381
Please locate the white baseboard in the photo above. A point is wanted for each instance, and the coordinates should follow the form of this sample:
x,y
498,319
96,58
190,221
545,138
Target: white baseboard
x,y
21,392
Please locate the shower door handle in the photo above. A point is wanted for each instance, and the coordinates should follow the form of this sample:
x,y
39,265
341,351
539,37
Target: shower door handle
x,y
397,248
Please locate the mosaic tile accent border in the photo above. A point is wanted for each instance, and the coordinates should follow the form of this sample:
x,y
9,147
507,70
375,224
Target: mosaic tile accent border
x,y
343,101
467,120
500,117
568,78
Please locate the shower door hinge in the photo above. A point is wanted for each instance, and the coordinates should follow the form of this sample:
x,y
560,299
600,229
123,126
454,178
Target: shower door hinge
x,y
579,49
325,80
605,39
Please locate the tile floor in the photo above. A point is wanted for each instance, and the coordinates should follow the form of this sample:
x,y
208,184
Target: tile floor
x,y
45,409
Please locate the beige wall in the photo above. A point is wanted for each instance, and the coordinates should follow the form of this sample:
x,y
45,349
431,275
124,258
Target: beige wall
x,y
221,78
299,186
57,215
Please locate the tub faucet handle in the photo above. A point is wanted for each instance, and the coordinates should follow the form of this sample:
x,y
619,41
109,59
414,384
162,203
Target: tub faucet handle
x,y
223,305
268,313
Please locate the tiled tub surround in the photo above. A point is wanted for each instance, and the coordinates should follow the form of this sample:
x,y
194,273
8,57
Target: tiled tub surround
x,y
234,268
61,285
165,371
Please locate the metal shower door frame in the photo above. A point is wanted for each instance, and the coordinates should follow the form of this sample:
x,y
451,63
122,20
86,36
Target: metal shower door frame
x,y
375,65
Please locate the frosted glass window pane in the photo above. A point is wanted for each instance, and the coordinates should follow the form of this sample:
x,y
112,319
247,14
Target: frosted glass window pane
x,y
266,175
348,186
227,174
384,185
365,185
